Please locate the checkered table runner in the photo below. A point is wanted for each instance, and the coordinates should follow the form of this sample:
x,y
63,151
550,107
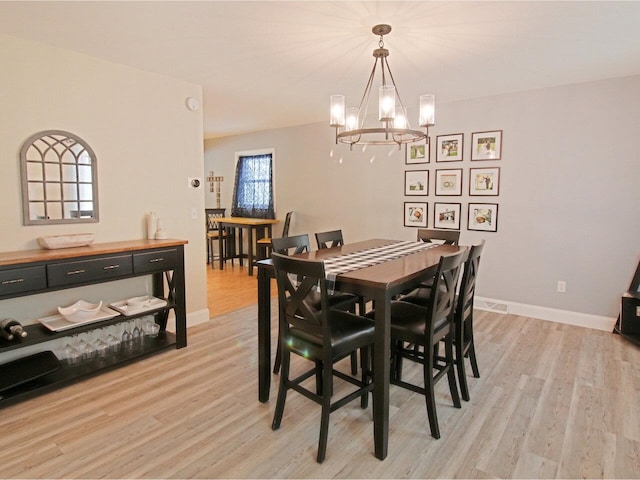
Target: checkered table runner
x,y
334,266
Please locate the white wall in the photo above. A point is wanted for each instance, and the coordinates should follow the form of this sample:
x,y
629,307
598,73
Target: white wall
x,y
568,190
146,141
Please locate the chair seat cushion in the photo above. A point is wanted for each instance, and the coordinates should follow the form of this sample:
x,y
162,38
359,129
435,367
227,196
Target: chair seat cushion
x,y
408,322
420,295
348,333
340,301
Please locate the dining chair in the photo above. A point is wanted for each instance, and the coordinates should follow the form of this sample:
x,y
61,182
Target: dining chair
x,y
425,327
448,237
445,237
329,239
342,301
463,342
264,244
318,333
211,214
332,239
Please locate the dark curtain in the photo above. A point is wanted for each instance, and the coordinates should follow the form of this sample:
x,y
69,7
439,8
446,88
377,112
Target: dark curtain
x,y
253,187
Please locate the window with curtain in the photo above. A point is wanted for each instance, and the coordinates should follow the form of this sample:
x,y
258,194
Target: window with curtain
x,y
253,187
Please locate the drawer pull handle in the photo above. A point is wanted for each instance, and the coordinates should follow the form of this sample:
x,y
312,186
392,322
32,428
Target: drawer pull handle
x,y
75,272
15,280
110,267
154,260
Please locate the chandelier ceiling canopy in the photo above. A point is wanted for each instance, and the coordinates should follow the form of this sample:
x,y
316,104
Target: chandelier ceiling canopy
x,y
394,128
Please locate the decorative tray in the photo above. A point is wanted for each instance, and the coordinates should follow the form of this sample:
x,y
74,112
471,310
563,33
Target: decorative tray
x,y
53,242
141,304
57,323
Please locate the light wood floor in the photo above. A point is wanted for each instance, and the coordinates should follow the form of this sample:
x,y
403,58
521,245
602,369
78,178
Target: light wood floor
x,y
554,401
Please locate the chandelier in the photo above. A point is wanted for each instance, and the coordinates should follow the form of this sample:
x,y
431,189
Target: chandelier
x,y
395,128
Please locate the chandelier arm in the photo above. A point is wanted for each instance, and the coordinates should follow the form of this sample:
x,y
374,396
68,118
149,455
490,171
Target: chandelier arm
x,y
393,81
367,92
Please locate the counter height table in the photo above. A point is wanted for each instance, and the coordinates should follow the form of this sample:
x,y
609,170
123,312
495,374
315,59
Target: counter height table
x,y
257,227
380,283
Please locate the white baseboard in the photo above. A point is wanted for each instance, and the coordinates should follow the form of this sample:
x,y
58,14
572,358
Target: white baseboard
x,y
193,318
544,313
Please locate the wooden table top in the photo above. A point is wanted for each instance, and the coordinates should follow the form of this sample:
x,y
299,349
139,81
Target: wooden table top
x,y
247,221
40,255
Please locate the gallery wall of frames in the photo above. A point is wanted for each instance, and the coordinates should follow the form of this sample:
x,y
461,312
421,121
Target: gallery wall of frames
x,y
448,178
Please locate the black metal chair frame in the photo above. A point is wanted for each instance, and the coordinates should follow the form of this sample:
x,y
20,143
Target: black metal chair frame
x,y
463,341
438,326
308,332
463,320
449,237
212,234
329,239
264,244
343,301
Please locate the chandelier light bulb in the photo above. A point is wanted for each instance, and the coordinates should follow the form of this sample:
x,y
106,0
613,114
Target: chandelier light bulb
x,y
387,103
352,118
400,120
337,110
427,110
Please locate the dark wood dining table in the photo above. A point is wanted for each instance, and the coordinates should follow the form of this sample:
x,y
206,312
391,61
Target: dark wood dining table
x,y
379,283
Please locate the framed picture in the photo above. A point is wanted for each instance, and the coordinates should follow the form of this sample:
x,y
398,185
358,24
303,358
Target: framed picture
x,y
417,152
415,214
449,147
416,182
484,181
446,215
486,145
483,217
449,182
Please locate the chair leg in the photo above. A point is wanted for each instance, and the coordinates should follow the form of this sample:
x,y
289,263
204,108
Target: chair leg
x,y
365,360
326,410
462,374
319,378
474,362
429,393
354,363
396,360
470,347
282,391
451,374
278,360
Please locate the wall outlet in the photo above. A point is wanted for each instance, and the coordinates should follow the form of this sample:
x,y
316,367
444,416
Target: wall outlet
x,y
194,213
562,286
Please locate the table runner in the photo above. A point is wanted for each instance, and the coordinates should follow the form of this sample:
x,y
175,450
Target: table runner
x,y
334,266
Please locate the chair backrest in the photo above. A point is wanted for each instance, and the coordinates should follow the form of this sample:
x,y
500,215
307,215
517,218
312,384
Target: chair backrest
x,y
329,239
443,294
450,237
210,216
287,223
297,300
297,243
464,307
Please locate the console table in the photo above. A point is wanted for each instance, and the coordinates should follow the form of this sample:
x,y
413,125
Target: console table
x,y
31,272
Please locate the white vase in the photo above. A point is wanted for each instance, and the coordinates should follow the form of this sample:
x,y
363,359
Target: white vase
x,y
152,225
161,234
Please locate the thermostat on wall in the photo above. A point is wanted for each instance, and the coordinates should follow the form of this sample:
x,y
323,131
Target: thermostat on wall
x,y
192,103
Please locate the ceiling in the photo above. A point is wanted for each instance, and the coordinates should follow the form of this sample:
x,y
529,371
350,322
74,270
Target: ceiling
x,y
270,64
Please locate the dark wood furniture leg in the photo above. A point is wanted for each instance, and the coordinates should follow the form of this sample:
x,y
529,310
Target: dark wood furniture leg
x,y
381,362
264,332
